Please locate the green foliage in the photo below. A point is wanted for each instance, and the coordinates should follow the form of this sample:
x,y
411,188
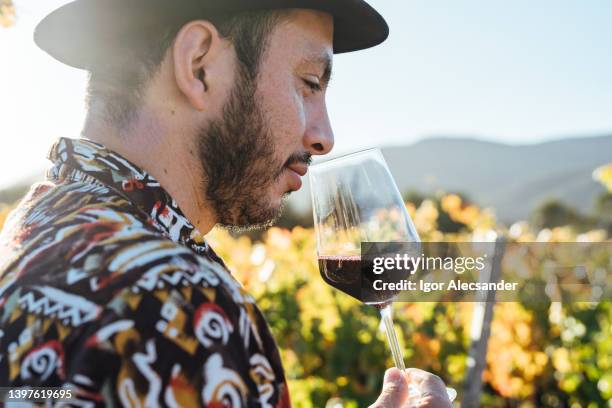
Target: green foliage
x,y
603,211
603,206
415,197
553,213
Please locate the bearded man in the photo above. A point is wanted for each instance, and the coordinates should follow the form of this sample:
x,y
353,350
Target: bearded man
x,y
200,112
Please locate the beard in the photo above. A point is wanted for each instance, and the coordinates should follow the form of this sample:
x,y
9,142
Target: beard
x,y
239,162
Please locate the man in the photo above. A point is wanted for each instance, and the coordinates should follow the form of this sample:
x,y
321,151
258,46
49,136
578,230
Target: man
x,y
200,112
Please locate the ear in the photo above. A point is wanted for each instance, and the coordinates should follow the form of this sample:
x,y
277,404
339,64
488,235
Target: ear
x,y
195,47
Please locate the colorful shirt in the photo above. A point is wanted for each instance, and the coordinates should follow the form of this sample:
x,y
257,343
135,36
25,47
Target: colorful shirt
x,y
107,288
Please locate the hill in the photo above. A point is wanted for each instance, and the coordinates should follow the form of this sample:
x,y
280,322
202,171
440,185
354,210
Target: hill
x,y
512,179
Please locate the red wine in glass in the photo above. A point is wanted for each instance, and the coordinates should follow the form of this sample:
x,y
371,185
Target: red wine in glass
x,y
355,277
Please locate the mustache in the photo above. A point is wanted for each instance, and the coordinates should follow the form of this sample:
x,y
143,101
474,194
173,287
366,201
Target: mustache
x,y
302,157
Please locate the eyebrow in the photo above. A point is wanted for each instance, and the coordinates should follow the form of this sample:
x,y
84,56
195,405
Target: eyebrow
x,y
325,61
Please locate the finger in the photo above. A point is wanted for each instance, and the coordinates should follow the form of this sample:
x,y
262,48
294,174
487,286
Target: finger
x,y
416,376
428,383
395,390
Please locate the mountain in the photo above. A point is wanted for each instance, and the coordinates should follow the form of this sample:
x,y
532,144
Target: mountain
x,y
511,179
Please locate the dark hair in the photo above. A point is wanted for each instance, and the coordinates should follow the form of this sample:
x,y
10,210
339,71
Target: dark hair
x,y
115,90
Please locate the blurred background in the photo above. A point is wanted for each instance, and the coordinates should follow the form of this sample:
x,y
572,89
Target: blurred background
x,y
493,117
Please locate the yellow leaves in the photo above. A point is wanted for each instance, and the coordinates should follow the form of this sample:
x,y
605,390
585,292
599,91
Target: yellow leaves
x,y
457,210
557,234
301,390
426,350
279,239
4,212
364,336
314,299
521,231
540,359
426,217
561,360
7,13
457,365
513,361
605,385
342,381
451,203
411,208
291,363
603,174
598,235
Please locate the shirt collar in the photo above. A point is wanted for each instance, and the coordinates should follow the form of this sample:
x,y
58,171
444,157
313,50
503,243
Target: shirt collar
x,y
84,160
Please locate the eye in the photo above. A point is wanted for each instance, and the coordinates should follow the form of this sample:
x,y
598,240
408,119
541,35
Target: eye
x,y
314,86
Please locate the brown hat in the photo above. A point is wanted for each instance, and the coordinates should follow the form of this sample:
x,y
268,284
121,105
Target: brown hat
x,y
85,33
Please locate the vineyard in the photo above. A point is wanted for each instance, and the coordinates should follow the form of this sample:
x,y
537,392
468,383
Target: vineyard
x,y
547,355
555,355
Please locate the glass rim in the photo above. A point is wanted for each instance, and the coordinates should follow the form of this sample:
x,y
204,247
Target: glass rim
x,y
344,156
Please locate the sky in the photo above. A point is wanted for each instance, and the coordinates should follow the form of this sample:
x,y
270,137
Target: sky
x,y
513,72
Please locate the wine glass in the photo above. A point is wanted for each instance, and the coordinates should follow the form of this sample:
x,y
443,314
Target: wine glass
x,y
355,200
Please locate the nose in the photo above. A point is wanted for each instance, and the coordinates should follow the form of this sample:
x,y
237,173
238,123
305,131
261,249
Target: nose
x,y
319,136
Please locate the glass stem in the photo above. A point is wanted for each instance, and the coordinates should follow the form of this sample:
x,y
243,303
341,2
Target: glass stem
x,y
396,351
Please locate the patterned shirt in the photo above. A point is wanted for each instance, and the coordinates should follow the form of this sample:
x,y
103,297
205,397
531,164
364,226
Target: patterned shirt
x,y
106,288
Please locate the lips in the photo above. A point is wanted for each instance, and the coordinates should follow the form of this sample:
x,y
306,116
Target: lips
x,y
299,168
296,172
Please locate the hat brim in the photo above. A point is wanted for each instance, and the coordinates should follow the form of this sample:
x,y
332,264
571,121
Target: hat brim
x,y
86,33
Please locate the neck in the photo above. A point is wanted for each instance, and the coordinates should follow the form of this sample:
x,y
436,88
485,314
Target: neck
x,y
156,149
